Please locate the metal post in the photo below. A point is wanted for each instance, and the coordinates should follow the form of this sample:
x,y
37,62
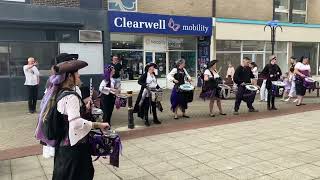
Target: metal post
x,y
130,111
273,27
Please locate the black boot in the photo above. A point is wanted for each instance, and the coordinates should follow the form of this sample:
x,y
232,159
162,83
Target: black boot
x,y
147,123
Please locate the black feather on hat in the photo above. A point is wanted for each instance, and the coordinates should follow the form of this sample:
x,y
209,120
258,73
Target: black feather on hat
x,y
68,63
150,65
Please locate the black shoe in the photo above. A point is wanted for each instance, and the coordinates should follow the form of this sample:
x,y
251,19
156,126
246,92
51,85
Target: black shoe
x,y
253,110
274,108
156,122
185,116
147,123
223,114
269,109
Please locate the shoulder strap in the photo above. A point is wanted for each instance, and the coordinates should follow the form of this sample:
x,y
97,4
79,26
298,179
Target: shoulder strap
x,y
65,93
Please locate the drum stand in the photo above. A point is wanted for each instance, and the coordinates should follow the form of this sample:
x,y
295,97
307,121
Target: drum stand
x,y
130,111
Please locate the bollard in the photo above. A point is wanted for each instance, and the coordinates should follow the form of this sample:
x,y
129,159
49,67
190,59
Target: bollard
x,y
130,111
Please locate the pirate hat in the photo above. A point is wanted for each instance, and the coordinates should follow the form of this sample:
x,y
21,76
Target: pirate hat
x,y
150,65
68,63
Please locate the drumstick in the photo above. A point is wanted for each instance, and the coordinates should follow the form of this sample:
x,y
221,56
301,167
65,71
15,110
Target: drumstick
x,y
91,89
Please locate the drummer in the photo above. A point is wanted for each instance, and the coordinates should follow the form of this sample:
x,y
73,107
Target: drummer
x,y
148,81
273,73
242,76
210,90
302,70
109,88
178,75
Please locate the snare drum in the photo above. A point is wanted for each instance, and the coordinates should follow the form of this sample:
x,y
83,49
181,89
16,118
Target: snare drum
x,y
250,92
121,101
309,83
277,88
156,95
225,91
187,90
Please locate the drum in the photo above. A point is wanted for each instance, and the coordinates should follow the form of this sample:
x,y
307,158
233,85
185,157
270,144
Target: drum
x,y
250,92
156,95
309,83
225,91
187,90
277,88
121,101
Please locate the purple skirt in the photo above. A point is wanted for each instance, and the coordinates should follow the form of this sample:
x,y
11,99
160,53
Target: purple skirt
x,y
178,100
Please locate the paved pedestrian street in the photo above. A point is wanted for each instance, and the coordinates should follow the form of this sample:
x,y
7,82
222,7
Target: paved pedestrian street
x,y
284,147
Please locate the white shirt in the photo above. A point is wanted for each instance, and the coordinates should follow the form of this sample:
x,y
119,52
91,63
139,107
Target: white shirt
x,y
174,71
107,90
31,74
78,127
151,81
230,71
215,74
255,72
302,67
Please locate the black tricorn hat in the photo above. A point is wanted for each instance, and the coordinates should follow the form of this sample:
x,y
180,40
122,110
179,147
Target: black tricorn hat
x,y
149,65
212,63
68,63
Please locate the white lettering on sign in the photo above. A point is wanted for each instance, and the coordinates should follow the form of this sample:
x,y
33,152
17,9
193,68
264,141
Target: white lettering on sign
x,y
123,22
161,24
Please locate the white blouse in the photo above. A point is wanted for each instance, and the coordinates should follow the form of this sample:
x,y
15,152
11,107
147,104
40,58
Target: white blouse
x,y
151,81
107,90
78,127
215,74
174,71
302,67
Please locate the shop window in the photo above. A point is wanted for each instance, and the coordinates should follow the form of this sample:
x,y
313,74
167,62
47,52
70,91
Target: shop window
x,y
4,59
189,56
132,63
279,46
290,10
182,43
225,59
125,41
228,45
42,52
122,5
253,45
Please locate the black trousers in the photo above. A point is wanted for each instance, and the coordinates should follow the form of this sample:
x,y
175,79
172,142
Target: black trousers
x,y
32,98
146,104
107,102
271,99
240,97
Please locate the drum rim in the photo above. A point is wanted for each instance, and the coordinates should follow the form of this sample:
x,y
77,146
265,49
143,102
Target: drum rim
x,y
255,88
278,83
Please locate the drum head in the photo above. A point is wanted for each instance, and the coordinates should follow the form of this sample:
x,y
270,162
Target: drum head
x,y
278,83
224,86
309,79
251,87
186,87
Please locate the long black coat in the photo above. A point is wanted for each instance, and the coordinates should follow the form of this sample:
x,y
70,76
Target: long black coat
x,y
273,70
137,109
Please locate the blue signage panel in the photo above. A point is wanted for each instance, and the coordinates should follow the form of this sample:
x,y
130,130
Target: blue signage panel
x,y
132,22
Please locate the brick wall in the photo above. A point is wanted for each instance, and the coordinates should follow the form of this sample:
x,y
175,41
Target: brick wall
x,y
200,8
63,3
245,9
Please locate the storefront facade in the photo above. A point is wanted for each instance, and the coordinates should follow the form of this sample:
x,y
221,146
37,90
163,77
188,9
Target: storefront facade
x,y
141,38
235,39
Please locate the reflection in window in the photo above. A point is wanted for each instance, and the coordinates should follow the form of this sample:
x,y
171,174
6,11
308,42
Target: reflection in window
x,y
228,45
122,5
253,45
42,52
189,56
4,59
182,43
132,63
299,4
125,41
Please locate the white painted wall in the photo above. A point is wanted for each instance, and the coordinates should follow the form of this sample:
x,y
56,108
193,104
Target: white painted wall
x,y
92,53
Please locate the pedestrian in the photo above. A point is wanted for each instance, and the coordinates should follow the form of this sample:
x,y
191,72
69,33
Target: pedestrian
x,y
109,88
273,73
254,69
230,71
302,70
242,76
211,90
179,76
287,87
117,67
145,101
32,80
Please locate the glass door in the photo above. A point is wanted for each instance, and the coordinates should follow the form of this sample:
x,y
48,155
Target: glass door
x,y
161,61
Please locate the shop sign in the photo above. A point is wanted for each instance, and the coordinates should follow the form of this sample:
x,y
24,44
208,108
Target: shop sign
x,y
130,22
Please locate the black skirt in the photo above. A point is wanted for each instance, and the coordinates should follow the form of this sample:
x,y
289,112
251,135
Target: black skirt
x,y
300,89
73,163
